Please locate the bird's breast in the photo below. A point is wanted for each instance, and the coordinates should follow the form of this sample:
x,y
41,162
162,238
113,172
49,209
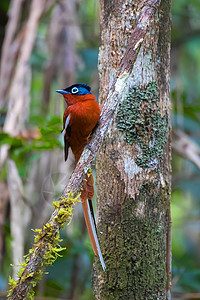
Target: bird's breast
x,y
83,118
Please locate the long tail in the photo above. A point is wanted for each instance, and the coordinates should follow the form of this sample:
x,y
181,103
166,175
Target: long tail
x,y
92,231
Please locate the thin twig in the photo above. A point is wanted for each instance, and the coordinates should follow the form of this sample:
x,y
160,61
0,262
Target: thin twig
x,y
186,295
183,145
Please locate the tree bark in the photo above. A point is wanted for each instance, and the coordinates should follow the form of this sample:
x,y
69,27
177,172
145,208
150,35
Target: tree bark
x,y
133,165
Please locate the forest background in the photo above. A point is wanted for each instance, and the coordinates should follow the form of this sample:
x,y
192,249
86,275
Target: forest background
x,y
66,51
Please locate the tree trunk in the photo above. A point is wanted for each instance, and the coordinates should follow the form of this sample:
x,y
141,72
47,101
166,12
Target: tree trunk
x,y
133,165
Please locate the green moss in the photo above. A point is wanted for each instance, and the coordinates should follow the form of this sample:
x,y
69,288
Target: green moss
x,y
140,120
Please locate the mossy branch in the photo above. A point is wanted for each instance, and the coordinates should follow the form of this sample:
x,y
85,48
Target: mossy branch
x,y
44,251
46,247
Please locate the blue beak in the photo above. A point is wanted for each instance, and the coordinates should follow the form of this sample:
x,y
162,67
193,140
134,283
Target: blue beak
x,y
62,92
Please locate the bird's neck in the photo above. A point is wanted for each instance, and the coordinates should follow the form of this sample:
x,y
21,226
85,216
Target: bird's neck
x,y
73,99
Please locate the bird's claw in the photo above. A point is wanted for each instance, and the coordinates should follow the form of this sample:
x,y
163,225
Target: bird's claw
x,y
89,147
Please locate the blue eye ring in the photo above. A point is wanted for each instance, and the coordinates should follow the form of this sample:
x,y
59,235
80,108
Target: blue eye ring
x,y
74,90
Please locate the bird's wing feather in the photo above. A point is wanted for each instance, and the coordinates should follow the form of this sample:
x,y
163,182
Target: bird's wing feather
x,y
67,121
66,131
66,149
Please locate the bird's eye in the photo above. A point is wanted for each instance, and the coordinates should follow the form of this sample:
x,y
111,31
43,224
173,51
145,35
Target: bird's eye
x,y
74,90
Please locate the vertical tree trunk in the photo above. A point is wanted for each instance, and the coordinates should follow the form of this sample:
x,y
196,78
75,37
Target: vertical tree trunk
x,y
17,210
133,165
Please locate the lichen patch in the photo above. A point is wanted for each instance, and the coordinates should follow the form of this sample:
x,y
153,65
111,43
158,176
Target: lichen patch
x,y
139,119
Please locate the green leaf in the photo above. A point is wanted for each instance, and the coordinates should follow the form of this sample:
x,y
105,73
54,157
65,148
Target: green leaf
x,y
5,138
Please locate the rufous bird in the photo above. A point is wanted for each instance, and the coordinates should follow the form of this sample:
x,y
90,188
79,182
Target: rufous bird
x,y
79,119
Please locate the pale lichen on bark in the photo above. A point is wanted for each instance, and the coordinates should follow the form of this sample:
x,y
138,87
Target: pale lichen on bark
x,y
139,118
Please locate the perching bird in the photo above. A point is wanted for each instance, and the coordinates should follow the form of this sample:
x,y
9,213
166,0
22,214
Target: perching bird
x,y
79,119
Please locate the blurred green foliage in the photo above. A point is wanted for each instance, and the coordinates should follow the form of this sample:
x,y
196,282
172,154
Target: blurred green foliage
x,y
185,91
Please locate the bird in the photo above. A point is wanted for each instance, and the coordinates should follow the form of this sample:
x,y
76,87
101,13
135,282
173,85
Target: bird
x,y
79,120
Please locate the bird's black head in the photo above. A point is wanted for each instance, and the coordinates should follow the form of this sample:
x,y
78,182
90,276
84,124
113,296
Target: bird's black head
x,y
76,89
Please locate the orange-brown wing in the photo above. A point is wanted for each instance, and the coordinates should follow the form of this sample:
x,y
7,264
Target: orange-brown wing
x,y
84,117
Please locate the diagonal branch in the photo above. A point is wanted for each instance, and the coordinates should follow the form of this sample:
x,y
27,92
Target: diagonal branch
x,y
146,16
48,236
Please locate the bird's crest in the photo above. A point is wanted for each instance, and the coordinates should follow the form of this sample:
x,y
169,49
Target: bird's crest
x,y
79,89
